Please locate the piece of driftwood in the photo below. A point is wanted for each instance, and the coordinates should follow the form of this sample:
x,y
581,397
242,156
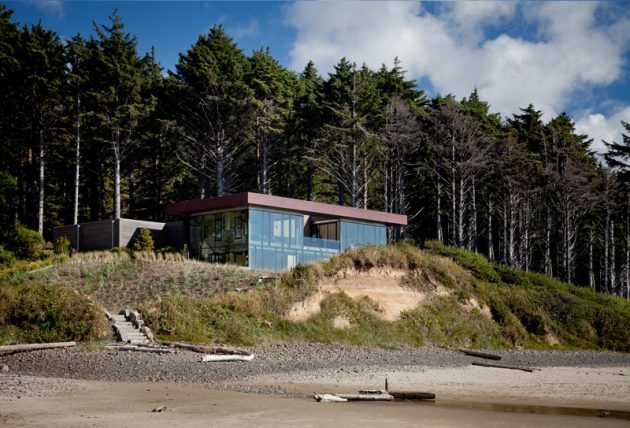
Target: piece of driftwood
x,y
159,409
203,349
366,397
411,395
141,349
222,351
500,366
35,346
328,398
481,354
215,357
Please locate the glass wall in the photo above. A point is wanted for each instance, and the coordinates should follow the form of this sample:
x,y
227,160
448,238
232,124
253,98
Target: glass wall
x,y
272,240
220,237
354,234
277,241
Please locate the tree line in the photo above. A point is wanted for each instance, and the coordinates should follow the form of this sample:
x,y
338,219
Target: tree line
x,y
90,128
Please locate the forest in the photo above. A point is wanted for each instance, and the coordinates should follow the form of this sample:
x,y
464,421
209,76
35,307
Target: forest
x,y
90,129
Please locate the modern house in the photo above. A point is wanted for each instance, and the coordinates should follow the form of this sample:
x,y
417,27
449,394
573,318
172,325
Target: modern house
x,y
276,233
107,234
246,229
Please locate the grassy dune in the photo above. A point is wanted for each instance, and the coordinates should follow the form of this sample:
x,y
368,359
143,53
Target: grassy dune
x,y
198,302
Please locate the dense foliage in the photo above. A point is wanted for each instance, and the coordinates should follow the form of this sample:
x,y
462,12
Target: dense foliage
x,y
524,309
91,128
34,312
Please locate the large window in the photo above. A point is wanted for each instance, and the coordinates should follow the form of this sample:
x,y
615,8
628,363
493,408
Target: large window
x,y
276,239
220,237
354,234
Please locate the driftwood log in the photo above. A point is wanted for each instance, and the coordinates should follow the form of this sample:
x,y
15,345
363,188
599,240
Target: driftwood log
x,y
202,349
500,366
223,357
35,346
481,354
328,398
412,395
366,397
141,349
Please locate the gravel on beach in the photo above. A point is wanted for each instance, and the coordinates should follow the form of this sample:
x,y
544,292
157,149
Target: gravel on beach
x,y
275,358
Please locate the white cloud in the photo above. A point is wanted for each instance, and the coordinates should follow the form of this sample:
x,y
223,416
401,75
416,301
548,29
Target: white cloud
x,y
247,31
569,52
49,6
601,128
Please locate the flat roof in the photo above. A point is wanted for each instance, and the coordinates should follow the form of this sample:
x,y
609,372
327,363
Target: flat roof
x,y
267,201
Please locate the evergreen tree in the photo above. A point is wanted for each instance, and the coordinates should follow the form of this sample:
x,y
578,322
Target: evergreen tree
x,y
618,154
306,124
272,87
117,78
43,68
214,110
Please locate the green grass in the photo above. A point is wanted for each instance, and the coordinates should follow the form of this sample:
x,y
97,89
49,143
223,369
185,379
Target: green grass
x,y
470,302
528,310
33,312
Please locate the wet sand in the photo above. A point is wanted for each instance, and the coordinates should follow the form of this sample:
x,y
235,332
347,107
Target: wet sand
x,y
72,388
120,404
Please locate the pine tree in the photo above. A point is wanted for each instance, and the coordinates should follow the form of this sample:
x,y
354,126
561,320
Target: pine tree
x,y
42,71
116,80
306,124
214,110
618,154
272,87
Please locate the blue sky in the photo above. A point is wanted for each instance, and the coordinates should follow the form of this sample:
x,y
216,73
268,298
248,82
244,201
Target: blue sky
x,y
560,56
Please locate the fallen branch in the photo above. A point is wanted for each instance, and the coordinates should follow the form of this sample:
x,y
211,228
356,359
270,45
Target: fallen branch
x,y
499,366
366,397
141,349
328,398
412,395
481,354
215,357
35,346
202,349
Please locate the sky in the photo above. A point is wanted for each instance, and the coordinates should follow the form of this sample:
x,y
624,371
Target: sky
x,y
560,56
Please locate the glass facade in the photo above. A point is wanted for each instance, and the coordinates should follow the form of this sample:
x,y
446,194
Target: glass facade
x,y
272,240
220,237
354,234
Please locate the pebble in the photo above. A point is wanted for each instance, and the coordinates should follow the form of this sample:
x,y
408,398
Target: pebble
x,y
271,358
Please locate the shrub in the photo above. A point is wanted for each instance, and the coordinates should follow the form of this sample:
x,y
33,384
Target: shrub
x,y
62,246
44,313
27,243
7,258
144,241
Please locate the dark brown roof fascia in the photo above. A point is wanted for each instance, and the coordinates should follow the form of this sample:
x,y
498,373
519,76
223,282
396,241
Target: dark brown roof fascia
x,y
278,202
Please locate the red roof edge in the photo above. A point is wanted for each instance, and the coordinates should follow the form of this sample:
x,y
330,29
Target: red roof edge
x,y
281,203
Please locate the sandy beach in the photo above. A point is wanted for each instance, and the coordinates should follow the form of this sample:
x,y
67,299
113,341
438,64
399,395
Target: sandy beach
x,y
75,389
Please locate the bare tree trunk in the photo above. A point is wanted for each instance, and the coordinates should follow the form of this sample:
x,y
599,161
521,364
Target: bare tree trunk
x,y
548,263
591,271
473,226
612,275
438,216
504,250
77,163
365,188
40,201
460,214
220,166
453,198
117,156
490,237
606,269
